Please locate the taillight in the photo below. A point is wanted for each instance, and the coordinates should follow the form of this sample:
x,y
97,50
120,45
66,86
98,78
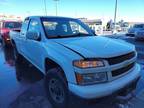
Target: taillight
x,y
5,31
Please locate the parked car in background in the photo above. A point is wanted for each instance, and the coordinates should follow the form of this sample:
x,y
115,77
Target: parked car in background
x,y
117,27
133,30
139,35
5,27
74,60
125,27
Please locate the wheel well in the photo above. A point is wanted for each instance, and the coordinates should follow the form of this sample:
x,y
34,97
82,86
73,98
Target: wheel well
x,y
50,64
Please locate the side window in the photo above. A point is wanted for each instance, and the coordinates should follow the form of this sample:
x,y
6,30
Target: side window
x,y
24,27
33,26
65,27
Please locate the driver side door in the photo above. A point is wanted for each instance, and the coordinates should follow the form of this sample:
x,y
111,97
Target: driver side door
x,y
34,47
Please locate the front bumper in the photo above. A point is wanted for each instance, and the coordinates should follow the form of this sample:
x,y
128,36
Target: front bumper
x,y
105,89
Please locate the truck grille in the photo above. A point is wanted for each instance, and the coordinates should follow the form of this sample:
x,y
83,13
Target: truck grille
x,y
122,70
119,59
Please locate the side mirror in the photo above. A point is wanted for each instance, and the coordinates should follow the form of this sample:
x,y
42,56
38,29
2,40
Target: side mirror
x,y
32,35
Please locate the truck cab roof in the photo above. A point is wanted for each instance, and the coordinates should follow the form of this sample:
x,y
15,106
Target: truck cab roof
x,y
49,17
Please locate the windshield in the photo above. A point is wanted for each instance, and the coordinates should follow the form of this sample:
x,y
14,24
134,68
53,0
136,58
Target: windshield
x,y
12,25
65,27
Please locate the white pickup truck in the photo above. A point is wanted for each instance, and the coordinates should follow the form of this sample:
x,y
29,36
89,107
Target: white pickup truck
x,y
74,60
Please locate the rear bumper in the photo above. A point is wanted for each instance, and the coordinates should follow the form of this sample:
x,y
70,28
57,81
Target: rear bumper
x,y
106,89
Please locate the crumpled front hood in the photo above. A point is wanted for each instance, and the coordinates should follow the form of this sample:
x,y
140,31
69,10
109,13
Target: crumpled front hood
x,y
96,47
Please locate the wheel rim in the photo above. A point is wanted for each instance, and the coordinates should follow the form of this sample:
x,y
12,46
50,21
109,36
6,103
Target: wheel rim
x,y
56,91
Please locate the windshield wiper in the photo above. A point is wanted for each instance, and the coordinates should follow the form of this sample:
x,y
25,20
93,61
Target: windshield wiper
x,y
57,36
82,34
68,36
78,35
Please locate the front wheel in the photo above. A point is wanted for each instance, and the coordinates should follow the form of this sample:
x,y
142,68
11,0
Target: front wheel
x,y
56,88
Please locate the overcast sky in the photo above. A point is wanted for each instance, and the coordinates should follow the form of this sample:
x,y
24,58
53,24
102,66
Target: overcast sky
x,y
129,10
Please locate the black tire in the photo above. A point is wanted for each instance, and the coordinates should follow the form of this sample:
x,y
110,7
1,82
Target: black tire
x,y
19,78
15,53
56,88
19,71
17,56
3,43
18,60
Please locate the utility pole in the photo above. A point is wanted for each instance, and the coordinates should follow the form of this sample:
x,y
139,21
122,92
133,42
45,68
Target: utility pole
x,y
56,6
45,7
115,16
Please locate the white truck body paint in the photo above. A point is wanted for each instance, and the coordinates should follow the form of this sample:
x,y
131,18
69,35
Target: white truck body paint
x,y
63,52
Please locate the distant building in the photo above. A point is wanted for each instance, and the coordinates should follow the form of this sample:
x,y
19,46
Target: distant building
x,y
9,17
95,24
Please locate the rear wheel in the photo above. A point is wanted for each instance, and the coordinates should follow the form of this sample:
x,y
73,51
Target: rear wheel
x,y
56,88
15,53
3,43
17,56
18,59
